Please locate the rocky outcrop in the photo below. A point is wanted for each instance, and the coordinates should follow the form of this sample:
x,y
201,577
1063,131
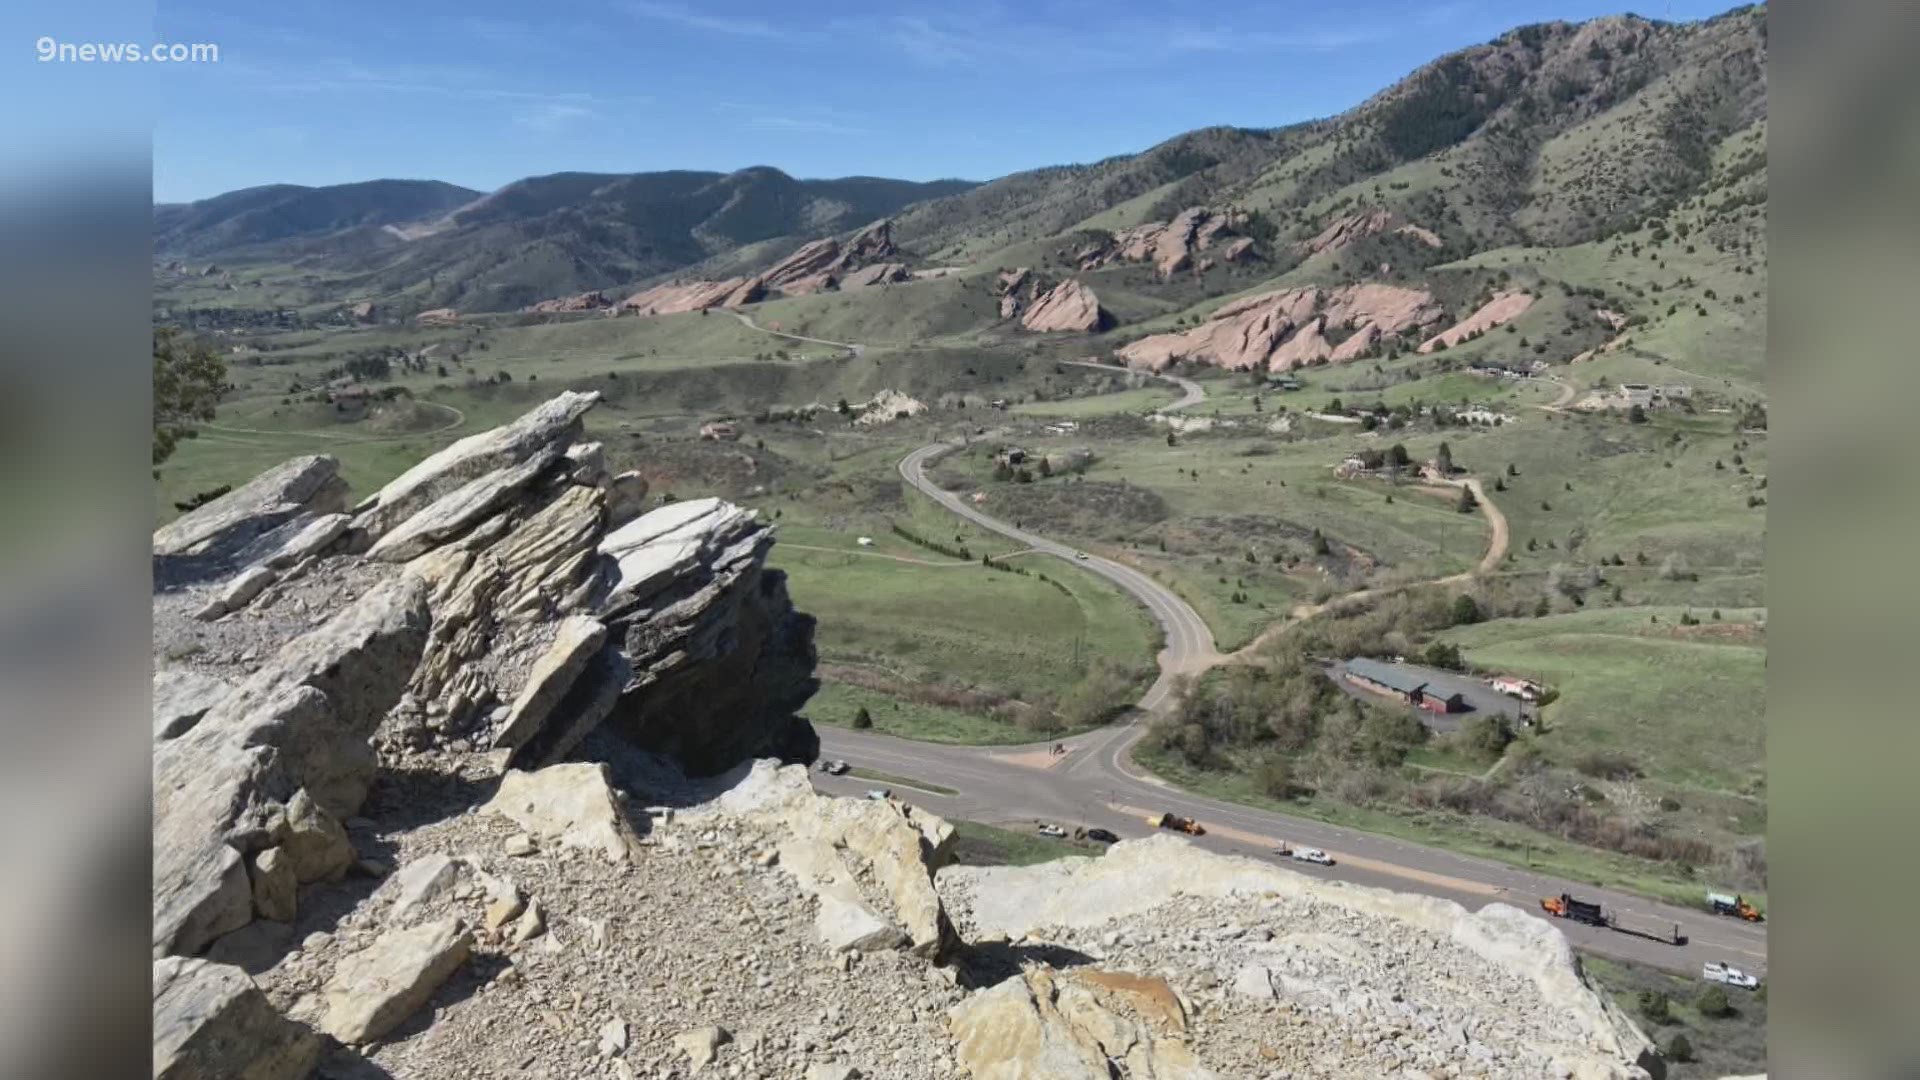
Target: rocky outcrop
x,y
1503,308
887,406
1079,1025
210,1022
877,274
181,698
1356,345
709,632
222,789
586,301
1283,329
1347,229
673,298
547,430
869,863
257,515
1530,978
1067,307
1421,233
1171,246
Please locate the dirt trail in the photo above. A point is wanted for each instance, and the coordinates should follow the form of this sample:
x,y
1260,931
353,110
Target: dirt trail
x,y
459,418
1497,543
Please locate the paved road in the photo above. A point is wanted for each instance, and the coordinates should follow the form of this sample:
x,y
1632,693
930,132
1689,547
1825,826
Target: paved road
x,y
1095,783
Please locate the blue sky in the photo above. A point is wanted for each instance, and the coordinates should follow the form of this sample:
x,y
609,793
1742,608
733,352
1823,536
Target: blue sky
x,y
482,92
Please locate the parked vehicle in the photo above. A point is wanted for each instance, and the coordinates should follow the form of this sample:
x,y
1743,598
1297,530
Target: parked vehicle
x,y
1312,855
1054,831
1080,555
1177,824
1103,836
879,794
1727,975
1736,906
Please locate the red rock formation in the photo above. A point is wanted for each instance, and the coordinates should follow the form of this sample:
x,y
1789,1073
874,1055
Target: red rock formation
x,y
586,301
1068,306
1347,229
671,298
1240,250
1356,346
1306,345
1503,308
1283,329
1171,246
877,274
444,316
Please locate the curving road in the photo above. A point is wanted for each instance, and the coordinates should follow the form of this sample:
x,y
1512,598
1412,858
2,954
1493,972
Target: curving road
x,y
1095,783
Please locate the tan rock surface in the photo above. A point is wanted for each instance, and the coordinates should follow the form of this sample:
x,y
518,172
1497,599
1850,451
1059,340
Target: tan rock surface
x,y
373,991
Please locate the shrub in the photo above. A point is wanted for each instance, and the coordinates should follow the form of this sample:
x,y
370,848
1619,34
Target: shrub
x,y
1655,1007
1713,1002
1677,1048
862,719
1466,611
1273,775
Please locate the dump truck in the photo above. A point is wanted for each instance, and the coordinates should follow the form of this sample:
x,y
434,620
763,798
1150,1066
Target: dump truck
x,y
1565,906
1177,824
1736,906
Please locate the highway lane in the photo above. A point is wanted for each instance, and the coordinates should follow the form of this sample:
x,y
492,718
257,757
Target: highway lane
x,y
1095,784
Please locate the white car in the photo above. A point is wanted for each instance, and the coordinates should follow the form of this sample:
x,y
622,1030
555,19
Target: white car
x,y
1726,974
1079,554
1053,831
1312,855
878,794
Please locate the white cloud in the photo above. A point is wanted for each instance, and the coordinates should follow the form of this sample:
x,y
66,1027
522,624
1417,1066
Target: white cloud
x,y
694,20
553,116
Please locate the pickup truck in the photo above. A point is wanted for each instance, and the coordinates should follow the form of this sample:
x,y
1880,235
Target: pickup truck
x,y
1727,975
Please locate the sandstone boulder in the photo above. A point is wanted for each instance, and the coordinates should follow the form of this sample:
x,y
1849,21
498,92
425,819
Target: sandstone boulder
x,y
870,862
210,1022
1067,307
1045,1025
374,990
571,804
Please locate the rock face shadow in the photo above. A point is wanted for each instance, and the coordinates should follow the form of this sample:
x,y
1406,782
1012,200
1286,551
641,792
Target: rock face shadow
x,y
993,962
